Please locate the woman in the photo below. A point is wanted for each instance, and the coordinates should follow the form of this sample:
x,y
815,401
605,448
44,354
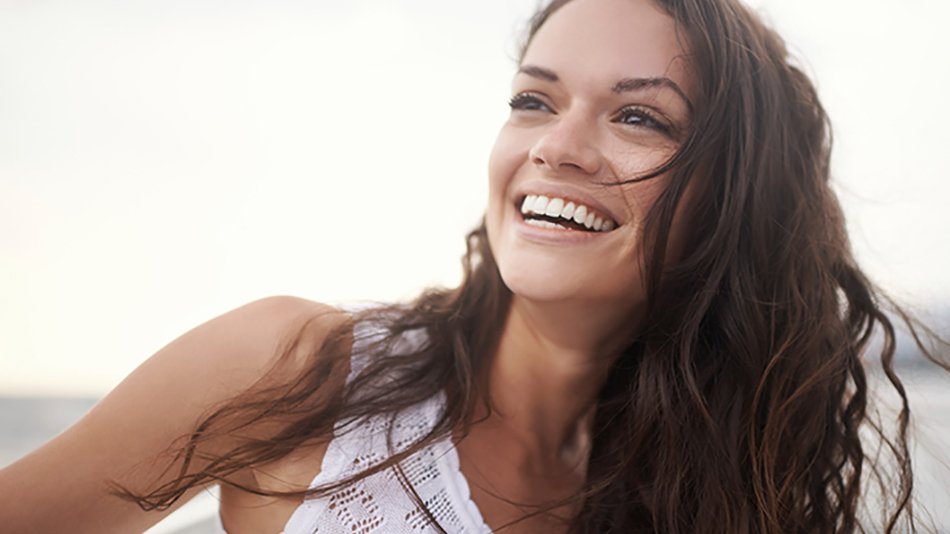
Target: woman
x,y
661,329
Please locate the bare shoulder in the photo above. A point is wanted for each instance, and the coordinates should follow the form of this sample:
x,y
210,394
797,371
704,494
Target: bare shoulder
x,y
162,400
250,337
224,356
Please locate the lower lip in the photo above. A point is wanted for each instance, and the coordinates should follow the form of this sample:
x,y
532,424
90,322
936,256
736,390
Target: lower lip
x,y
554,235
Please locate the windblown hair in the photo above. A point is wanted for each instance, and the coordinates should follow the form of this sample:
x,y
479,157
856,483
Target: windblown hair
x,y
741,407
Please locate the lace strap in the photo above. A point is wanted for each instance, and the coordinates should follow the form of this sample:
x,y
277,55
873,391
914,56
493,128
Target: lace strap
x,y
460,492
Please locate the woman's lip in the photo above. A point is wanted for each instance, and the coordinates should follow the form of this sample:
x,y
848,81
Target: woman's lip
x,y
553,235
568,193
563,210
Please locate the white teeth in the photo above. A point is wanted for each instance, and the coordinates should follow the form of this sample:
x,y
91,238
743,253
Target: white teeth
x,y
568,211
554,207
540,204
560,208
543,224
580,214
528,203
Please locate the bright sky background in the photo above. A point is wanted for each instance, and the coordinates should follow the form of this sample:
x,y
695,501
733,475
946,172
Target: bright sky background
x,y
164,161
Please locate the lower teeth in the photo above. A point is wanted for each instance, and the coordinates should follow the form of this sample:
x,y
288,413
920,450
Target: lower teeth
x,y
544,224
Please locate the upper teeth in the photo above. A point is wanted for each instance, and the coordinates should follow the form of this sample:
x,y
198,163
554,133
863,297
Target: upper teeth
x,y
568,210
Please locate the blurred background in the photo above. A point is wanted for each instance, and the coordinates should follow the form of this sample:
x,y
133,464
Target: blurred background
x,y
164,162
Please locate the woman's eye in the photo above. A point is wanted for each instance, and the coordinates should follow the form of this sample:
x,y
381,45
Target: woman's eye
x,y
527,102
634,116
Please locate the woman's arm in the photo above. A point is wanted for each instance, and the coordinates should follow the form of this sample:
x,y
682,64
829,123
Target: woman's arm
x,y
63,485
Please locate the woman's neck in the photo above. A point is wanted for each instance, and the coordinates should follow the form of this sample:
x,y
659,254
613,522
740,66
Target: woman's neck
x,y
551,362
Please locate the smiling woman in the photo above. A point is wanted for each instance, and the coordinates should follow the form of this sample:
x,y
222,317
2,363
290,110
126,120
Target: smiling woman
x,y
591,117
661,328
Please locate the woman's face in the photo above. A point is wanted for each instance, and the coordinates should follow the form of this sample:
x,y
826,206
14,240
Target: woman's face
x,y
600,98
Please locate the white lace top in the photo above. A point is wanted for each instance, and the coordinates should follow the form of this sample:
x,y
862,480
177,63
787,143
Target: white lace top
x,y
379,504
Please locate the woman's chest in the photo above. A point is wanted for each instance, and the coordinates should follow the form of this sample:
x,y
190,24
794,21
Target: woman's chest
x,y
516,493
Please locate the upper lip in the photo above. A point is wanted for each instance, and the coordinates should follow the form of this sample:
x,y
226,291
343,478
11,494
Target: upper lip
x,y
567,192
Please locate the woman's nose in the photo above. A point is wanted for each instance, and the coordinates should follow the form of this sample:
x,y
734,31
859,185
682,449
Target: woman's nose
x,y
567,146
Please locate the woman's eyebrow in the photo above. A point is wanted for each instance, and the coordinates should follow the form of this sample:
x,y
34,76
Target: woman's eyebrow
x,y
622,86
539,72
634,84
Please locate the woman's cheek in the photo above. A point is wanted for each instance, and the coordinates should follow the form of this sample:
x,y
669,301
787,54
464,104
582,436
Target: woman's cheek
x,y
507,157
509,152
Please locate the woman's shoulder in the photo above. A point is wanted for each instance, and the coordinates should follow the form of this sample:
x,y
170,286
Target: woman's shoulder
x,y
126,434
252,335
227,354
271,318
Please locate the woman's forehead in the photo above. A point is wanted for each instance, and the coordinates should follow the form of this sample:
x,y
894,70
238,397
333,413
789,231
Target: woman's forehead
x,y
602,41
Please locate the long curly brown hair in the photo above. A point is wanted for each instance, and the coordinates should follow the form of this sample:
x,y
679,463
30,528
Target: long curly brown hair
x,y
741,407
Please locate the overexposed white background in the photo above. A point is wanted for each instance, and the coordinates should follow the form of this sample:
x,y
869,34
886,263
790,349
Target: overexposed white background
x,y
162,162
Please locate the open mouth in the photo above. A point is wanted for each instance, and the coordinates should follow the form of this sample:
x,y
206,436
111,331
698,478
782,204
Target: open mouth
x,y
559,213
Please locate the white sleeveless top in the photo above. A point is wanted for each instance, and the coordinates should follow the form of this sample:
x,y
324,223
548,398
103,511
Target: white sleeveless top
x,y
379,504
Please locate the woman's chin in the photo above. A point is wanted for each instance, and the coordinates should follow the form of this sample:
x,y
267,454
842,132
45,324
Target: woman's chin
x,y
550,286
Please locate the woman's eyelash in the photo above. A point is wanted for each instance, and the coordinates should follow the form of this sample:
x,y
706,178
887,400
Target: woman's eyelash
x,y
527,102
631,115
643,118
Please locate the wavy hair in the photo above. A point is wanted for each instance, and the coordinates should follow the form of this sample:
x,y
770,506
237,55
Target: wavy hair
x,y
741,407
